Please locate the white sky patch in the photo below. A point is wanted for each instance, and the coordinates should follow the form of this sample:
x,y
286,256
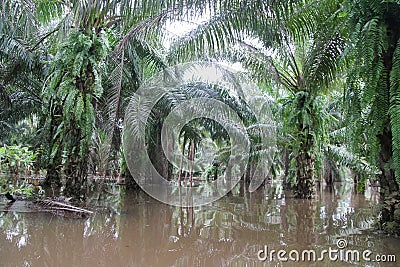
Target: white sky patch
x,y
178,29
234,65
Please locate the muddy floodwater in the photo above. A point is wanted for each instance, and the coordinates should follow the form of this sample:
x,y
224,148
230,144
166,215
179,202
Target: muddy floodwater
x,y
240,229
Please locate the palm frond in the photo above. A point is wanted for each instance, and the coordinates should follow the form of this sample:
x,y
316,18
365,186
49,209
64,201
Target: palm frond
x,y
394,110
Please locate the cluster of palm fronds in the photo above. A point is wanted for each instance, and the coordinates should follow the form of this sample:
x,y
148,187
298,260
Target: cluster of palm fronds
x,y
330,68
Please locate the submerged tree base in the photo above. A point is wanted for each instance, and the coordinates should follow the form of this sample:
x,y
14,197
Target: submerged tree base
x,y
305,190
390,220
305,185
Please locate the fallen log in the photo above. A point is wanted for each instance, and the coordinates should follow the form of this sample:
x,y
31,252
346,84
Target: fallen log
x,y
60,208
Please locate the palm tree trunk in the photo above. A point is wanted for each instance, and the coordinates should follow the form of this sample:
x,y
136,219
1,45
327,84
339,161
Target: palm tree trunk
x,y
53,176
157,156
286,166
181,162
130,181
78,143
305,159
76,167
389,192
191,157
53,168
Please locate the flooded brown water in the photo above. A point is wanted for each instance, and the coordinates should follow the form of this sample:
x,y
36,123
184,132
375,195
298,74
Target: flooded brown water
x,y
136,230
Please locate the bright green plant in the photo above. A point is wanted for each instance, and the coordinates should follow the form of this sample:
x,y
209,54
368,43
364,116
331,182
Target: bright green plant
x,y
70,94
373,92
17,160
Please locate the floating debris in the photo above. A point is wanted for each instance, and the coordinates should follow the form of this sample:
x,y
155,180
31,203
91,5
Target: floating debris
x,y
60,208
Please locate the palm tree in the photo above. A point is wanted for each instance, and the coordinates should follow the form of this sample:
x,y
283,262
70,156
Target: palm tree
x,y
20,71
80,36
305,71
76,37
192,133
372,95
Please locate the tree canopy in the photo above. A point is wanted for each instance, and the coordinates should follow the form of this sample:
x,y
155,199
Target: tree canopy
x,y
331,70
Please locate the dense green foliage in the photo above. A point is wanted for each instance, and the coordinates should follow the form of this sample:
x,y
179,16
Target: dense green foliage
x,y
17,161
331,69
